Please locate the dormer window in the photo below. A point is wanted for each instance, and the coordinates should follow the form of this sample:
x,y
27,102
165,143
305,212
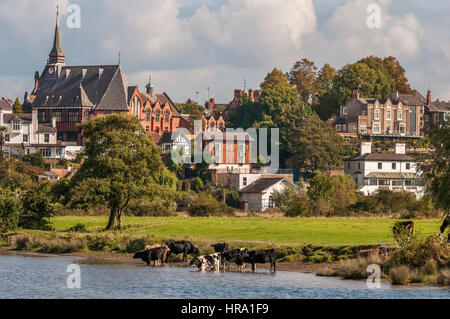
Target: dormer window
x,y
16,126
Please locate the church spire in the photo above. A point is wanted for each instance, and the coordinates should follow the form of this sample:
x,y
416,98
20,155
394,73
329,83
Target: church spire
x,y
57,54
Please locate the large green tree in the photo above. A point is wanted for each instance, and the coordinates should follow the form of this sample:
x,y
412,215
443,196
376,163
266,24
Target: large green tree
x,y
123,163
438,173
397,73
194,110
303,76
316,146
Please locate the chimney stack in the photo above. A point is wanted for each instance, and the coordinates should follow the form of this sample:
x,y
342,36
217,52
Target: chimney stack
x,y
400,148
428,97
237,94
250,95
366,148
355,94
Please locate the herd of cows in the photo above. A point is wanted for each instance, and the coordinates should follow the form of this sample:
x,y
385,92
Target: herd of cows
x,y
220,260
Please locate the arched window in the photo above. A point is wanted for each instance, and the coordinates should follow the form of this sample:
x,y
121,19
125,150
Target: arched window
x,y
135,106
148,115
166,116
157,114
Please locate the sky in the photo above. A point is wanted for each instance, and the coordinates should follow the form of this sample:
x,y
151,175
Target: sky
x,y
189,45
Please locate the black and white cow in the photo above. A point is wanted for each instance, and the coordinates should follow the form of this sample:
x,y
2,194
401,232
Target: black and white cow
x,y
262,257
220,247
183,246
202,262
237,256
156,255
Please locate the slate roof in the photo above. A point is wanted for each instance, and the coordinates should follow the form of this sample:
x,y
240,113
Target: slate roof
x,y
5,106
412,99
103,86
381,157
439,106
162,98
260,185
23,117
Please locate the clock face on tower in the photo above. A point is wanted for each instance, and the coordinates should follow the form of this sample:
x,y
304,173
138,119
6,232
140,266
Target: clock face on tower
x,y
51,70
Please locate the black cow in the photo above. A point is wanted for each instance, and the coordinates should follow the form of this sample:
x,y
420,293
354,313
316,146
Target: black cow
x,y
183,246
262,257
220,247
400,227
237,256
154,254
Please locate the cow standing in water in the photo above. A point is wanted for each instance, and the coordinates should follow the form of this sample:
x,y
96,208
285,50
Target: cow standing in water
x,y
183,246
156,255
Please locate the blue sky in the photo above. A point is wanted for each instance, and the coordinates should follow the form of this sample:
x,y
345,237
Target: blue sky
x,y
189,45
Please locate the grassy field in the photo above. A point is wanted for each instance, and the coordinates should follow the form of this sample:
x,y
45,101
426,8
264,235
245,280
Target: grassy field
x,y
297,231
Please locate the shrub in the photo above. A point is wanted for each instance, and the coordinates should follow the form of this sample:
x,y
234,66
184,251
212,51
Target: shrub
x,y
399,275
417,251
36,208
145,207
35,159
206,205
444,276
80,227
136,245
197,184
353,269
9,212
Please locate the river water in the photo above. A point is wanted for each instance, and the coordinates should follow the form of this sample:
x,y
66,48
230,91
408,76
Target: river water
x,y
23,276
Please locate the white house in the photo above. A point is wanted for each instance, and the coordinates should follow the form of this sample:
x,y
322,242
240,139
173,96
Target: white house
x,y
259,194
24,135
393,171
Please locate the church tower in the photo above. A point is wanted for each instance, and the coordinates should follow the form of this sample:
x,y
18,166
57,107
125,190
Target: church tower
x,y
56,58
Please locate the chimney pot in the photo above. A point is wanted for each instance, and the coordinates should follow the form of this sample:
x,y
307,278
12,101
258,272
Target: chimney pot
x,y
366,148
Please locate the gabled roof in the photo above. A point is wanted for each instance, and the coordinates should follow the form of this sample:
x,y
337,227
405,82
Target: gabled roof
x,y
104,86
412,99
25,118
381,157
162,98
439,106
5,105
261,185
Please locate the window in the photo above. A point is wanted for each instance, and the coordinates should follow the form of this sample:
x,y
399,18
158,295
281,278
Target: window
x,y
157,115
25,138
399,115
359,165
397,183
57,114
6,137
166,116
421,109
58,152
241,153
244,181
376,114
16,126
46,138
388,114
148,116
388,129
376,128
41,116
46,152
147,128
383,182
271,202
408,166
73,116
363,127
380,165
373,182
394,165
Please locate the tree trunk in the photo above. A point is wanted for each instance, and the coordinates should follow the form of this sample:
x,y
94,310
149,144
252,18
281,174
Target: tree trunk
x,y
112,218
119,219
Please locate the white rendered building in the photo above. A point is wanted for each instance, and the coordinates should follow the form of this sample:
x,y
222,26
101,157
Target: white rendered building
x,y
393,171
